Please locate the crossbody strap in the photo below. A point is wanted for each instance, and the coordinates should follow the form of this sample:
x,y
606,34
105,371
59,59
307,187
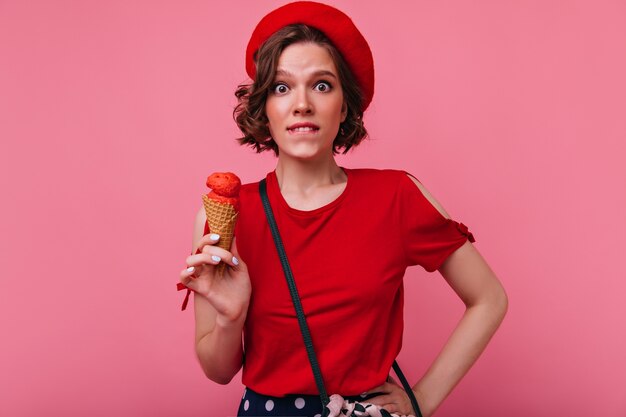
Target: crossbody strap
x,y
408,389
304,328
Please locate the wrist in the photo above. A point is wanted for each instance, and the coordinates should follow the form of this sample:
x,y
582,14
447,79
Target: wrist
x,y
230,322
422,402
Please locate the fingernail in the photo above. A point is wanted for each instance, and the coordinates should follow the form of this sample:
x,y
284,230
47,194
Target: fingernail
x,y
216,258
191,269
214,236
235,261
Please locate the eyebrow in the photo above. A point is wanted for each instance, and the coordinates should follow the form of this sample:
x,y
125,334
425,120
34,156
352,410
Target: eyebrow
x,y
315,74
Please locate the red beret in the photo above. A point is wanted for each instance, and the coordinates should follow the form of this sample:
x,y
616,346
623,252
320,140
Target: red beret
x,y
335,24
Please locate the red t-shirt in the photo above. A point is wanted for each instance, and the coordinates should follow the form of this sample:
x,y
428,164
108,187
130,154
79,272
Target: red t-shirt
x,y
348,259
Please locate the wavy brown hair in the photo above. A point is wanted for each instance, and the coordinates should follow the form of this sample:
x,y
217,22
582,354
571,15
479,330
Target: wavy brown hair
x,y
249,114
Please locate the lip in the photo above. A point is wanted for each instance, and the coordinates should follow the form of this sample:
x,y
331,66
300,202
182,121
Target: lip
x,y
303,124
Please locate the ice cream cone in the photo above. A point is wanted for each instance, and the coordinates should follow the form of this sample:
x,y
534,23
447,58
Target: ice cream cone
x,y
221,207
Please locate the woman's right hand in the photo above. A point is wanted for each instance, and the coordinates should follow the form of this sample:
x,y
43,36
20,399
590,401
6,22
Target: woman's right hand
x,y
229,293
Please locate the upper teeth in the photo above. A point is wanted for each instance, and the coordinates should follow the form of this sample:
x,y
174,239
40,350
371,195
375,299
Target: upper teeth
x,y
303,129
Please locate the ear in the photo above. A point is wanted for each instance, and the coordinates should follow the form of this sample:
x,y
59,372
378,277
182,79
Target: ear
x,y
344,112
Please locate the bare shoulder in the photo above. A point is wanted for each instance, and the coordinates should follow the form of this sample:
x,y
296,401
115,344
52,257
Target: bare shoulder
x,y
198,228
429,196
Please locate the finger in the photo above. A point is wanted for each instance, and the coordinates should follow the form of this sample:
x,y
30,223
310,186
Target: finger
x,y
206,257
190,272
391,380
392,408
208,239
187,275
379,388
233,247
198,269
235,251
221,255
224,256
380,400
216,250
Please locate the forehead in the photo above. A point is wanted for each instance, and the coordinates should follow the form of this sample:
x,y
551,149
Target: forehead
x,y
304,59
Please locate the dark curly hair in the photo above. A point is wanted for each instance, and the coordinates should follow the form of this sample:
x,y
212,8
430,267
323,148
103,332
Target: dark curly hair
x,y
249,114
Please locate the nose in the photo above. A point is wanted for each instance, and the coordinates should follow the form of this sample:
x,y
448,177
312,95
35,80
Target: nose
x,y
303,103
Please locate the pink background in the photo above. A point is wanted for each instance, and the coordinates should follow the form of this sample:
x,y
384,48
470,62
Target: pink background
x,y
113,113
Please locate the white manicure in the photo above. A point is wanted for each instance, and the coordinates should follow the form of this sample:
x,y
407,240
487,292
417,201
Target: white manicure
x,y
214,236
216,258
190,269
235,261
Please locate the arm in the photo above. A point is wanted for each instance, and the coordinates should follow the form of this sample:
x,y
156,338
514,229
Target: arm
x,y
485,306
486,303
218,345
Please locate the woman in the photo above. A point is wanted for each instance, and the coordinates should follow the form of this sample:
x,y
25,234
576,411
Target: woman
x,y
349,235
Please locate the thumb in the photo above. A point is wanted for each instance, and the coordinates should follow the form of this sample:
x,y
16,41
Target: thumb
x,y
233,246
235,251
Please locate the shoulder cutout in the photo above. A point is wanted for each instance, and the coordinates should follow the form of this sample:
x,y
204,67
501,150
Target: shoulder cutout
x,y
429,196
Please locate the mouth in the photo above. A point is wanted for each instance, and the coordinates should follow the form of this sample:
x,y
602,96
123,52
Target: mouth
x,y
303,128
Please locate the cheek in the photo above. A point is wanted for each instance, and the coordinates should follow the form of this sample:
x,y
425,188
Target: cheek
x,y
274,113
272,130
271,118
271,126
334,111
338,106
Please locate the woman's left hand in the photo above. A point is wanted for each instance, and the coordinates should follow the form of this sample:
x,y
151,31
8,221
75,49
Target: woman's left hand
x,y
392,398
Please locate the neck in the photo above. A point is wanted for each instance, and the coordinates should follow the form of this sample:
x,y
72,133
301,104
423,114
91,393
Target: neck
x,y
301,177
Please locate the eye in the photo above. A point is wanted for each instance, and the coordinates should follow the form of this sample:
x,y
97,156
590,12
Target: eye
x,y
279,88
323,86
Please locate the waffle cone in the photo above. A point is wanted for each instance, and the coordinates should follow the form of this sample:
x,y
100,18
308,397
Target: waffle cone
x,y
221,218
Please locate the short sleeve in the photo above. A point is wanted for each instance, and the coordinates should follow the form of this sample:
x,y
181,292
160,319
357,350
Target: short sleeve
x,y
428,237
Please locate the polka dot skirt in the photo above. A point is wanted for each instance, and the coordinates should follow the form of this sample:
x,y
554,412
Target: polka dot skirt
x,y
255,404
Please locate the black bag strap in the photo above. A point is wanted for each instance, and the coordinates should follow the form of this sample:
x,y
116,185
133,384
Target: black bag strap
x,y
304,328
408,389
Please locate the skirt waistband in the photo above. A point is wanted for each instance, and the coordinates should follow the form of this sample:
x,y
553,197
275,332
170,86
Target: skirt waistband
x,y
292,405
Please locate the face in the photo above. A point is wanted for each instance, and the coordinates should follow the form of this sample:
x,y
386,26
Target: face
x,y
307,93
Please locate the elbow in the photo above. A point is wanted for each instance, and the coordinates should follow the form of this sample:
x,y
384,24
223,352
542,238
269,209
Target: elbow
x,y
495,301
220,379
220,374
500,303
219,367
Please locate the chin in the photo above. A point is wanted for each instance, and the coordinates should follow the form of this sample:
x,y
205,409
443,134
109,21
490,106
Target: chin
x,y
306,152
310,156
